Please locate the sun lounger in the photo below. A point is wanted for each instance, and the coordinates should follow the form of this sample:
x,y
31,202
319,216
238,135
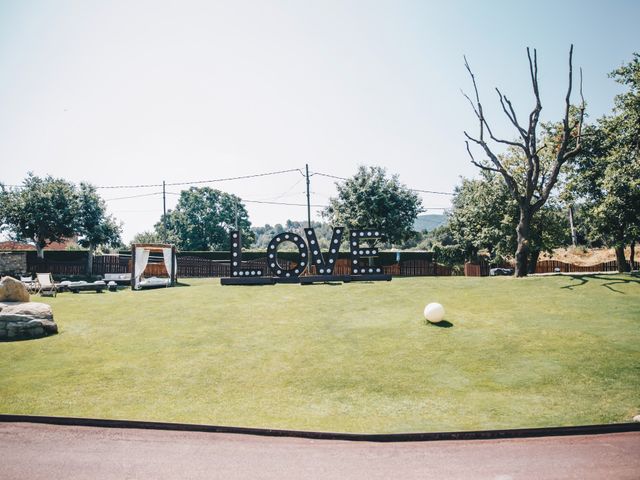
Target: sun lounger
x,y
119,278
153,282
77,287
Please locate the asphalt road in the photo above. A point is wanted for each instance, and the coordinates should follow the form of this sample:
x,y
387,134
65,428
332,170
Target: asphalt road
x,y
33,451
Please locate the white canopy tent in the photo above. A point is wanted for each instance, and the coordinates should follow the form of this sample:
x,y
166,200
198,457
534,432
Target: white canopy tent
x,y
140,253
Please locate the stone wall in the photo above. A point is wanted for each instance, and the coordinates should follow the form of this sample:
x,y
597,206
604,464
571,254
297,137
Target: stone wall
x,y
13,263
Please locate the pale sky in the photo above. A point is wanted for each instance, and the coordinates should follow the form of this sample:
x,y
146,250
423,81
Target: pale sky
x,y
132,92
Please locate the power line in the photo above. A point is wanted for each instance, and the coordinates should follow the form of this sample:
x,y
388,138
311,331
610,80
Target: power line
x,y
133,196
243,177
267,202
197,182
286,192
304,175
412,189
300,204
431,191
150,185
328,176
284,203
134,211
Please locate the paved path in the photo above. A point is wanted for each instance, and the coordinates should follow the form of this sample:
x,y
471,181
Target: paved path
x,y
32,451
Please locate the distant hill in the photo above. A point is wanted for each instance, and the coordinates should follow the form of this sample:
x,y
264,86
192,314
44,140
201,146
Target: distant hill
x,y
429,222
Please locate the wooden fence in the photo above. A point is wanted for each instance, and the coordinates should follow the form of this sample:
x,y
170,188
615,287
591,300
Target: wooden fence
x,y
476,269
111,264
406,268
55,267
205,267
549,266
201,267
75,263
191,266
420,268
77,266
69,266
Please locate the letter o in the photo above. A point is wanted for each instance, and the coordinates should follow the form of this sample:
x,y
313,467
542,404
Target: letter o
x,y
280,271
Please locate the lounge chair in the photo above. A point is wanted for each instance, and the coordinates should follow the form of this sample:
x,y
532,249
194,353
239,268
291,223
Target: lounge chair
x,y
119,278
77,287
46,286
29,283
153,282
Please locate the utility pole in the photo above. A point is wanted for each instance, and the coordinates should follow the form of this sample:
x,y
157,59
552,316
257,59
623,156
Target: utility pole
x,y
164,210
308,198
236,204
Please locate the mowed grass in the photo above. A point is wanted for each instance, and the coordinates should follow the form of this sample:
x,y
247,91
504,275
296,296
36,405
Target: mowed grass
x,y
357,357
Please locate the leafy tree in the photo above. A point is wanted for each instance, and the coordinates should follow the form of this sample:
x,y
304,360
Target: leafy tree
x,y
371,199
95,227
606,176
43,210
147,237
263,235
440,240
483,218
529,182
414,242
203,219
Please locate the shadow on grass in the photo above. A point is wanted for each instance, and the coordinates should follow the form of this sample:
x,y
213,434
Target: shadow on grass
x,y
22,338
441,324
583,279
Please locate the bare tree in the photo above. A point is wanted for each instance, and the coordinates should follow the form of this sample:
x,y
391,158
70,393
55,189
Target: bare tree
x,y
531,183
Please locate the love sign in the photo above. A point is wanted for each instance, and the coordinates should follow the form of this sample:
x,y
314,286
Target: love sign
x,y
362,252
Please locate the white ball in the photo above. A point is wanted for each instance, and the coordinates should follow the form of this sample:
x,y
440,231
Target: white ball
x,y
434,312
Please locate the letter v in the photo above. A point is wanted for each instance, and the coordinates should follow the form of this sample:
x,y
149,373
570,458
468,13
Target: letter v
x,y
317,259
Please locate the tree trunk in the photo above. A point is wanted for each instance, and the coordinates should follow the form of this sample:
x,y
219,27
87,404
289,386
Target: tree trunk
x,y
39,247
574,235
533,261
90,261
622,262
632,256
522,252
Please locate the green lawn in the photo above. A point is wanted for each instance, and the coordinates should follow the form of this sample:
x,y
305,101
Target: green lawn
x,y
356,357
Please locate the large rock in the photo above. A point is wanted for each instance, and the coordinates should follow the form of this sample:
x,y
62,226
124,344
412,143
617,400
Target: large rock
x,y
35,310
12,290
24,320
